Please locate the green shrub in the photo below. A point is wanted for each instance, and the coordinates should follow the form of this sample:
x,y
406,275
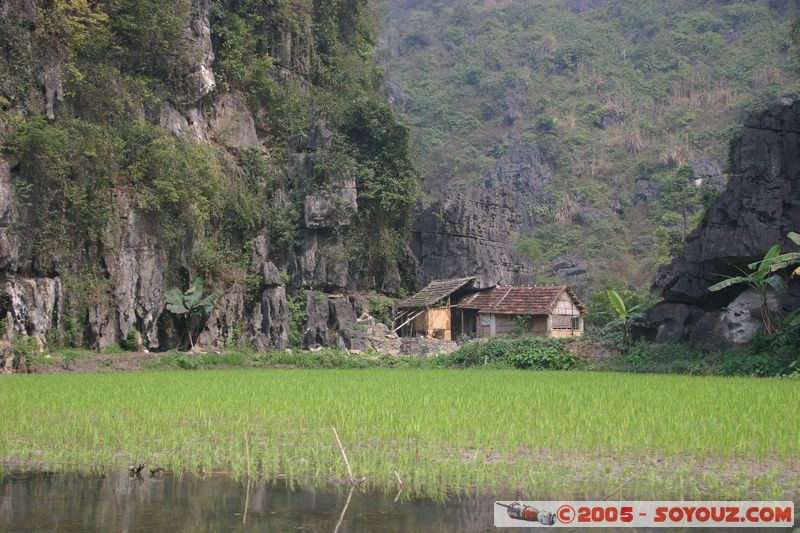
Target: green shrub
x,y
539,353
525,352
225,359
147,31
297,320
26,351
673,358
133,341
765,356
188,362
72,331
380,307
776,355
66,172
176,359
599,311
327,358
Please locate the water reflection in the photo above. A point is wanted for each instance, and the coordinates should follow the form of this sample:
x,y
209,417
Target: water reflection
x,y
48,502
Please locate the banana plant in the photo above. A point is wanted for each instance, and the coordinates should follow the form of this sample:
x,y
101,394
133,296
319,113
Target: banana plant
x,y
191,303
763,275
792,320
782,261
625,316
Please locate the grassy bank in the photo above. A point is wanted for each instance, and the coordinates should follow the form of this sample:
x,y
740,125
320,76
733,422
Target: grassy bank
x,y
441,430
764,357
522,353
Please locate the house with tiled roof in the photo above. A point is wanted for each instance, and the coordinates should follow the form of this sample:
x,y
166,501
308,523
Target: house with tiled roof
x,y
456,308
542,310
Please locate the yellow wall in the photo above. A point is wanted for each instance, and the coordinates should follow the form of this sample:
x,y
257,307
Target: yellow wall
x,y
565,306
434,319
439,319
566,333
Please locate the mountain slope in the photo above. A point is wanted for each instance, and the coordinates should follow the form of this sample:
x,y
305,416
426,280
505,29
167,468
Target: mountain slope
x,y
631,105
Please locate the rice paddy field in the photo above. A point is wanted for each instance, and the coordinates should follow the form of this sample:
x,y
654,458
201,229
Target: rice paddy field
x,y
444,432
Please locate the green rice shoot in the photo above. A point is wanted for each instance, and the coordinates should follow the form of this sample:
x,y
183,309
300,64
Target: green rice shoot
x,y
444,431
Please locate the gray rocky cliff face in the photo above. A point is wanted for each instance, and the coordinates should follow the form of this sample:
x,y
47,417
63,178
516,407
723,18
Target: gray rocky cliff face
x,y
264,324
31,303
12,253
223,324
131,268
317,327
343,317
196,39
233,124
335,209
470,232
758,209
269,323
193,56
136,265
323,262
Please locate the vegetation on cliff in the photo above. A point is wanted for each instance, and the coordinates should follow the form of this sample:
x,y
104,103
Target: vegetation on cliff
x,y
112,71
630,101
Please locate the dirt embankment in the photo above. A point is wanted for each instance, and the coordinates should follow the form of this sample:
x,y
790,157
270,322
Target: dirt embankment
x,y
93,362
592,350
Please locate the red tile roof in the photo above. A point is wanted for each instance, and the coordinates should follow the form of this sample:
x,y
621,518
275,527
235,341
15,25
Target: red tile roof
x,y
537,300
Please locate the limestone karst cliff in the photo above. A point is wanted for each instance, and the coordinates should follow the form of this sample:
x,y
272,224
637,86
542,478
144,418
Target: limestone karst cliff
x,y
759,207
144,143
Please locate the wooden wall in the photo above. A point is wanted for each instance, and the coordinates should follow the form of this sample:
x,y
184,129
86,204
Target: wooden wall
x,y
434,323
561,319
565,306
507,325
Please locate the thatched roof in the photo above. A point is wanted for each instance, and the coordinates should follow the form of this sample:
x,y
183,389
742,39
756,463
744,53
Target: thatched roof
x,y
434,292
537,300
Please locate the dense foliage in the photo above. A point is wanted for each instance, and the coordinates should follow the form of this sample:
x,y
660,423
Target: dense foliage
x,y
765,356
525,352
623,92
302,65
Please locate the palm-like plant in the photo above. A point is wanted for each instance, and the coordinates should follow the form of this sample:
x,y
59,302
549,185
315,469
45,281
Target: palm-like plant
x,y
782,261
765,274
191,303
625,316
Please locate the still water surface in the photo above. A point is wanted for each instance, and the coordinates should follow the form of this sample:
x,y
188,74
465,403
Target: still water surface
x,y
118,503
44,502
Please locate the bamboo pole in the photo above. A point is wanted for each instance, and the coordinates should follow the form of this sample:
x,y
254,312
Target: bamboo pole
x,y
344,456
247,497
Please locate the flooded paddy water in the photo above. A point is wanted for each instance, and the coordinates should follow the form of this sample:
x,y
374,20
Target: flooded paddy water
x,y
46,501
118,502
